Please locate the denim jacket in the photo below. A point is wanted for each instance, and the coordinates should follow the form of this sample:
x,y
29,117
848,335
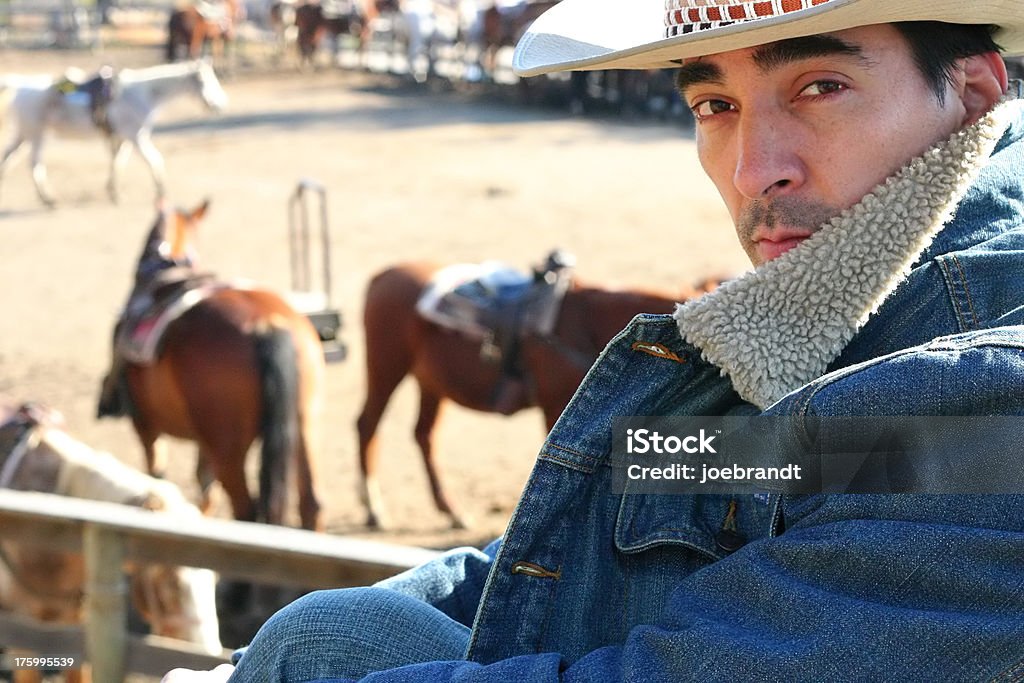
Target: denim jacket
x,y
587,585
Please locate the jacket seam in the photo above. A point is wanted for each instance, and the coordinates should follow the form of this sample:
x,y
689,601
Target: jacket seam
x,y
571,464
815,386
967,292
951,289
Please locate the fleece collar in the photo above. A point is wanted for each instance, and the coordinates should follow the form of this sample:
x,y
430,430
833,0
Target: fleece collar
x,y
778,327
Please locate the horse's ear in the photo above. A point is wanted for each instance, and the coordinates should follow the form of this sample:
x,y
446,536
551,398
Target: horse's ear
x,y
200,211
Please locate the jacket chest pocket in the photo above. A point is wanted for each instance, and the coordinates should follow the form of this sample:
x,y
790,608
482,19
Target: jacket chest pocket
x,y
660,540
711,526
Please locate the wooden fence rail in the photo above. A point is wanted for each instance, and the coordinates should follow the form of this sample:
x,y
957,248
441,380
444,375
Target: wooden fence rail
x,y
110,535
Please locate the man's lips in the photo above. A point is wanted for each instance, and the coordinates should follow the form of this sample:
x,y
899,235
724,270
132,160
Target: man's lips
x,y
778,243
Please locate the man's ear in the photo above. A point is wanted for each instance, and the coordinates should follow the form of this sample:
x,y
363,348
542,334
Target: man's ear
x,y
983,82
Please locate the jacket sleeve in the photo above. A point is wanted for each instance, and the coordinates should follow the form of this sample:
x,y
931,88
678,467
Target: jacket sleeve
x,y
869,587
452,582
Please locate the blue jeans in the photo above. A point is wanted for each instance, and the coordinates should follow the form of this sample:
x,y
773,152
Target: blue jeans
x,y
349,633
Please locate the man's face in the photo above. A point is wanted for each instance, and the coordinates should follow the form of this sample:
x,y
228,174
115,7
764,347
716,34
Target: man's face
x,y
792,133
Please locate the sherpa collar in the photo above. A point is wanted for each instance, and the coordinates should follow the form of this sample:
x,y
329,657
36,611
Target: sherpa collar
x,y
779,326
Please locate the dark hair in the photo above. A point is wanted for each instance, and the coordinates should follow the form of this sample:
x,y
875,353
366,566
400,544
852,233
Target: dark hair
x,y
937,46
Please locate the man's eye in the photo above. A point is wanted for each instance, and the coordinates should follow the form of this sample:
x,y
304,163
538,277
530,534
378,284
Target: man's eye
x,y
708,108
818,88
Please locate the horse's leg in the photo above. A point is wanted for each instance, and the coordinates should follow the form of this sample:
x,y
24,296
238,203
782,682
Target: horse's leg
x,y
154,159
385,370
120,150
309,506
153,448
206,479
196,42
228,464
16,142
39,173
217,49
430,410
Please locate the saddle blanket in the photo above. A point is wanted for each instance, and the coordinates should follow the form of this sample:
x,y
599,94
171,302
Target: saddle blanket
x,y
464,296
139,341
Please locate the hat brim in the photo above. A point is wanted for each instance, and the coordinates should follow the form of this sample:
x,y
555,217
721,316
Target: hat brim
x,y
629,34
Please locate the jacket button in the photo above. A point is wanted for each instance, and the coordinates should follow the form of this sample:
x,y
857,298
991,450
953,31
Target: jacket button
x,y
730,541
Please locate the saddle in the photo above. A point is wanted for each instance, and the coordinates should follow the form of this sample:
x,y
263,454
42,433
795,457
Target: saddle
x,y
154,306
98,91
499,305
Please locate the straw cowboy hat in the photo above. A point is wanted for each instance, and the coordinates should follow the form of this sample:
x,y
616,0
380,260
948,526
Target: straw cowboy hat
x,y
647,34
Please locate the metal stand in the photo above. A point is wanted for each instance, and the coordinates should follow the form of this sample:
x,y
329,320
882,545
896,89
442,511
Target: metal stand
x,y
314,303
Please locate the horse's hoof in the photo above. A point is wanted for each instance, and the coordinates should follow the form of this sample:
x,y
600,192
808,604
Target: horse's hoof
x,y
373,522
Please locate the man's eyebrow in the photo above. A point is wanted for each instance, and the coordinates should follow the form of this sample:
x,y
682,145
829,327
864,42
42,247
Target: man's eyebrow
x,y
772,56
696,72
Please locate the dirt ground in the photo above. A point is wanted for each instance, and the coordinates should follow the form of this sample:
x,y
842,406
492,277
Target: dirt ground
x,y
411,173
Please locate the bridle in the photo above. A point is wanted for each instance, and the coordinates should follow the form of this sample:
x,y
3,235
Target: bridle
x,y
27,425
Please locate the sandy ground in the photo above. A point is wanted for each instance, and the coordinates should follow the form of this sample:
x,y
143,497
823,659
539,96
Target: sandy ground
x,y
412,173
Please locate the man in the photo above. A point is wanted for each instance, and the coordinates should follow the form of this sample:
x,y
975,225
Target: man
x,y
874,170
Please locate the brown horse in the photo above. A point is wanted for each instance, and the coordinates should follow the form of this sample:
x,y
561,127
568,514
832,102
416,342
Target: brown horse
x,y
314,24
501,29
189,30
448,365
233,364
36,454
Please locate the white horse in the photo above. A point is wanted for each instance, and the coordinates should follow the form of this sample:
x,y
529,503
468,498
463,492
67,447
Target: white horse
x,y
36,455
421,26
39,104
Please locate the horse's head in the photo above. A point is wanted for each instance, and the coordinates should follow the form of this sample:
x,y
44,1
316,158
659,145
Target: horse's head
x,y
171,241
178,602
180,227
209,88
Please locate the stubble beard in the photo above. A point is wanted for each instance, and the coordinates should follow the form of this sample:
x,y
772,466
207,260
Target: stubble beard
x,y
789,212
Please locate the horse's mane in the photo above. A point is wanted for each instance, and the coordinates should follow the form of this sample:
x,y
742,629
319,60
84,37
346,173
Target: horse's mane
x,y
97,475
633,294
149,73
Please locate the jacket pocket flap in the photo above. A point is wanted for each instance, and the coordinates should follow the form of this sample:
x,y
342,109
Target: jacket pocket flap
x,y
646,521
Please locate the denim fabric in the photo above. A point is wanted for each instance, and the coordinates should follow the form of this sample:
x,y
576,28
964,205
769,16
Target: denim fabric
x,y
348,633
591,586
445,584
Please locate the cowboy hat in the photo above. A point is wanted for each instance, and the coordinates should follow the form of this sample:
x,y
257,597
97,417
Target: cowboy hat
x,y
649,34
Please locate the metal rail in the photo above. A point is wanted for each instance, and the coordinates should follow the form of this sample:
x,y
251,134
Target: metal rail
x,y
110,535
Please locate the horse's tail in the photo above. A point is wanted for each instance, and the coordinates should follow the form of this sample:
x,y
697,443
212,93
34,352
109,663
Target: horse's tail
x,y
277,357
175,28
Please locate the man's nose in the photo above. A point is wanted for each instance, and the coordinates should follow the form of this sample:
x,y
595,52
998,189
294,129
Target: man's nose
x,y
768,162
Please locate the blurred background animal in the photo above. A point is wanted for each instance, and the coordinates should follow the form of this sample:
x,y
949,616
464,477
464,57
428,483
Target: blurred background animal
x,y
488,339
198,26
220,364
36,454
64,106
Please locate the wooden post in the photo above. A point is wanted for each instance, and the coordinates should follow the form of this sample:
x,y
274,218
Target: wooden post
x,y
105,603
